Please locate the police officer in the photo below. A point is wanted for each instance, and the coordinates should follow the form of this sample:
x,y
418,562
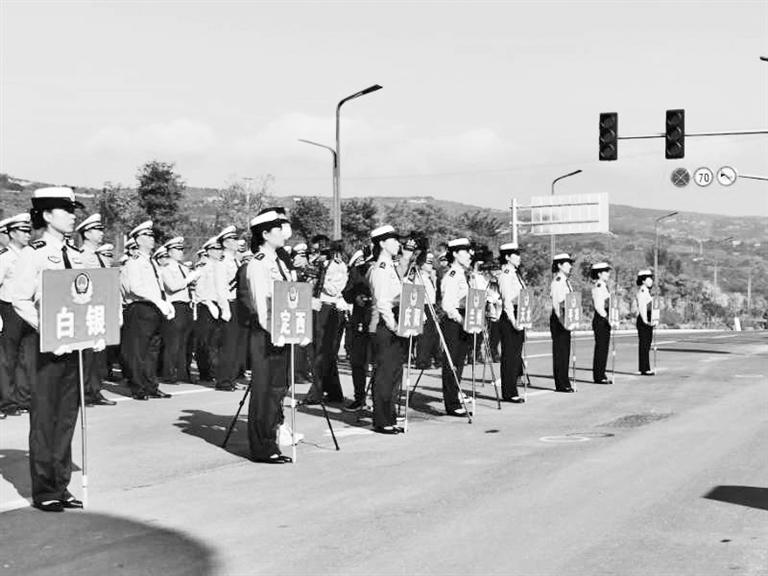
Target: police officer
x,y
389,348
146,307
454,288
14,371
269,360
561,336
601,324
358,293
55,389
233,331
428,344
645,323
512,334
91,232
178,281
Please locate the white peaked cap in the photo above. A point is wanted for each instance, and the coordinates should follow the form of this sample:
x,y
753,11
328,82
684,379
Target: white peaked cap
x,y
143,227
93,221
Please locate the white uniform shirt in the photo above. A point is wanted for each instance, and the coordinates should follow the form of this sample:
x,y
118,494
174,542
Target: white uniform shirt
x,y
140,281
44,254
174,277
91,259
561,286
386,287
454,289
644,304
229,266
213,287
262,271
8,258
510,285
600,298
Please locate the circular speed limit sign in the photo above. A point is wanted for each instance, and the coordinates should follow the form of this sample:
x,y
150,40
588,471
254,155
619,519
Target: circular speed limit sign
x,y
703,176
681,177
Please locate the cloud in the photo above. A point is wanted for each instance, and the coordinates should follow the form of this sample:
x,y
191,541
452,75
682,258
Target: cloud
x,y
180,137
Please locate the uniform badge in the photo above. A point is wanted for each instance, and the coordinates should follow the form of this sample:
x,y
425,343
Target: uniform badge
x,y
452,273
557,278
259,256
82,289
37,244
506,271
382,265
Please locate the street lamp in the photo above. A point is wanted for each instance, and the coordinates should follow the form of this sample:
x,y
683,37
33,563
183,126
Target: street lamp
x,y
552,234
656,249
714,259
337,161
333,154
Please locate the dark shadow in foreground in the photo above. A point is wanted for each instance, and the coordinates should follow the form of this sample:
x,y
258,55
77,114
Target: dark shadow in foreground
x,y
14,468
751,496
85,543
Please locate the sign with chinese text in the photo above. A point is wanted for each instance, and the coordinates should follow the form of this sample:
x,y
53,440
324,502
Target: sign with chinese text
x,y
656,309
291,312
572,310
474,313
613,312
79,308
525,309
411,319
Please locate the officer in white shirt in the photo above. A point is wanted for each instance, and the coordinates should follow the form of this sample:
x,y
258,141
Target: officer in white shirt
x,y
146,307
55,388
512,334
389,348
428,344
234,333
15,369
269,359
212,296
178,281
645,322
561,335
91,232
601,324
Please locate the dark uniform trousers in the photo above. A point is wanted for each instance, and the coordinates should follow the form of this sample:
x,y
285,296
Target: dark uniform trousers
x,y
143,321
52,420
94,372
208,342
390,355
233,334
511,357
428,344
458,343
269,384
176,335
494,338
17,354
357,342
561,352
645,337
602,329
325,370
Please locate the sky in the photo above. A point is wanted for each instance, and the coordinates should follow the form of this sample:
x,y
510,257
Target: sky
x,y
482,102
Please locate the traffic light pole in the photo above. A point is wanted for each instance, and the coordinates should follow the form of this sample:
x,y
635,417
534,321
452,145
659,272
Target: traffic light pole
x,y
696,134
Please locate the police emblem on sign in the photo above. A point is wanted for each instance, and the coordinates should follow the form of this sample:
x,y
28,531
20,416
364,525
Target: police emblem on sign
x,y
291,321
82,289
474,316
410,321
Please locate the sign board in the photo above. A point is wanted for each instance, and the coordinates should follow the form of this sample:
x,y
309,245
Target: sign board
x,y
656,309
79,308
411,319
474,313
574,214
525,308
572,310
291,312
613,312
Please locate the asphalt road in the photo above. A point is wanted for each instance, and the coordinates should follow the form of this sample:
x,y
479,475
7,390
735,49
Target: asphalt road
x,y
651,475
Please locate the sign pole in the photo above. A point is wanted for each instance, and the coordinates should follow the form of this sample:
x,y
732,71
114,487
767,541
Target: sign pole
x,y
83,428
293,406
613,358
573,357
525,367
407,383
474,359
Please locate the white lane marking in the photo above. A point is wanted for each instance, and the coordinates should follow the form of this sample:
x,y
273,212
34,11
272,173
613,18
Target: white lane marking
x,y
724,336
539,393
563,439
351,431
749,375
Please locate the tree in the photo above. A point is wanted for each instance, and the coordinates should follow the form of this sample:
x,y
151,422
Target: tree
x,y
238,203
120,211
427,219
358,218
309,217
481,226
160,192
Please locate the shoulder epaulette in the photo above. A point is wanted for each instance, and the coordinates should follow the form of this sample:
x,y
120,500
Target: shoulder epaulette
x,y
506,270
37,244
557,278
599,284
382,265
3,250
452,273
259,256
135,256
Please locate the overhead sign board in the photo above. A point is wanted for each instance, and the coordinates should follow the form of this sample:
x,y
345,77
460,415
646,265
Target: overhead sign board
x,y
573,214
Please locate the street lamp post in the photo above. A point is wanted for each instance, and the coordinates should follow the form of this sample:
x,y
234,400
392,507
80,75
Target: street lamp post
x,y
656,249
337,161
552,234
714,259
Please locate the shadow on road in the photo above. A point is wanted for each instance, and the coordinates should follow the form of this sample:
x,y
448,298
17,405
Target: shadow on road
x,y
693,350
751,496
213,428
85,543
14,468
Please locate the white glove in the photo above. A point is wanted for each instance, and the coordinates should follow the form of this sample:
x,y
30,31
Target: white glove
x,y
169,311
213,310
226,315
316,304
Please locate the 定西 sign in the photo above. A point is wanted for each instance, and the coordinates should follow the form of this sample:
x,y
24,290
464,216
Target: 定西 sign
x,y
474,313
79,308
291,313
411,318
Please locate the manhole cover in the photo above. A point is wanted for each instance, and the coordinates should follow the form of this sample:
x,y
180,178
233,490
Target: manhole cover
x,y
635,420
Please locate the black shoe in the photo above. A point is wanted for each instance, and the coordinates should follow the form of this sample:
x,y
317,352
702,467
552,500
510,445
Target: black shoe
x,y
101,401
354,406
386,429
460,412
516,400
225,388
71,503
309,402
159,394
602,381
3,415
139,396
648,373
273,459
569,389
49,506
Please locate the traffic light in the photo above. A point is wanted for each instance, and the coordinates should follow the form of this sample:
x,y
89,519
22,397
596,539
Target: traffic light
x,y
609,136
674,138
